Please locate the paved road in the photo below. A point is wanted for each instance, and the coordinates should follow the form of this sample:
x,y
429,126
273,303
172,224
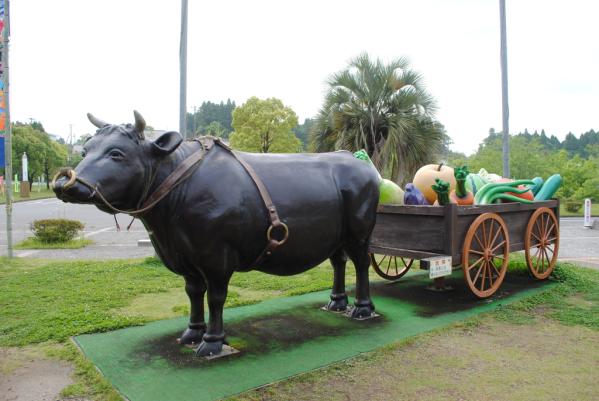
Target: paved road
x,y
99,227
578,244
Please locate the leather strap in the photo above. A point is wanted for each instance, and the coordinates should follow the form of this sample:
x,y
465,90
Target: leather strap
x,y
273,215
182,172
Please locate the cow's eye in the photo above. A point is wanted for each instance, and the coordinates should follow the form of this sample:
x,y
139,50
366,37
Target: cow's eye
x,y
116,154
83,153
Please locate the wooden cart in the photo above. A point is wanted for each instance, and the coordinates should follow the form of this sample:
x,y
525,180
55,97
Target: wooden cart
x,y
480,238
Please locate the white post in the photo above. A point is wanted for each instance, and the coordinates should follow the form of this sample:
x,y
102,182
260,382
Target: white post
x,y
587,213
25,167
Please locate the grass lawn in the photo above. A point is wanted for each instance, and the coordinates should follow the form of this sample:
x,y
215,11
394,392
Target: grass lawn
x,y
43,303
44,193
34,243
594,211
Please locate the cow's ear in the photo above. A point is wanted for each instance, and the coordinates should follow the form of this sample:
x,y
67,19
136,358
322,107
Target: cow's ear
x,y
167,143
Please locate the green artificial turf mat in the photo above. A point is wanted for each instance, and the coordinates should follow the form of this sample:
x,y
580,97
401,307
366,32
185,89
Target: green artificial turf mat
x,y
280,338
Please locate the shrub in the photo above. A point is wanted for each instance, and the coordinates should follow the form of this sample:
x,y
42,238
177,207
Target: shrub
x,y
56,230
573,206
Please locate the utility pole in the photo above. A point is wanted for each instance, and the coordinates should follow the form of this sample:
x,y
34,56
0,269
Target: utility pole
x,y
504,96
7,130
70,144
183,72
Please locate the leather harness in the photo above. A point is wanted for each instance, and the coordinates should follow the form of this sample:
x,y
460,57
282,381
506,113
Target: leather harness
x,y
180,174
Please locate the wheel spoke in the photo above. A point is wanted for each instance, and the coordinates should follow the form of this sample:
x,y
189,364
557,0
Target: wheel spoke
x,y
485,239
476,252
552,239
477,274
547,259
543,232
551,229
396,271
538,258
538,228
475,263
491,232
542,264
495,237
496,271
500,244
478,240
535,235
490,273
482,283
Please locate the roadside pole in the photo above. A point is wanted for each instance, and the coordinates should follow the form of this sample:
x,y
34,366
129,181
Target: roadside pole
x,y
504,95
588,222
7,131
183,72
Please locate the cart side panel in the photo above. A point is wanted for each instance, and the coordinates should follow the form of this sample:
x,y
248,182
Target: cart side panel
x,y
407,231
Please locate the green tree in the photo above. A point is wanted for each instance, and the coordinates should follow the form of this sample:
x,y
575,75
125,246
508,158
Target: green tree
x,y
302,131
215,129
384,109
44,156
207,113
264,126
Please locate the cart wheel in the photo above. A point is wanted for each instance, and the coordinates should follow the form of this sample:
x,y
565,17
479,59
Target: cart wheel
x,y
486,254
390,267
541,243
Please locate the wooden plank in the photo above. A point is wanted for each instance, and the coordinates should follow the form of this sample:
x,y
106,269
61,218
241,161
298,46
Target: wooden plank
x,y
451,213
405,253
405,231
505,207
411,209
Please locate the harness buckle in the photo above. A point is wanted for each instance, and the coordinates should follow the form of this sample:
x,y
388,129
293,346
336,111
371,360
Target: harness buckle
x,y
275,241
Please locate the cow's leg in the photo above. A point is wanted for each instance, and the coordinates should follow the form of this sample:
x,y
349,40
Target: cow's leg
x,y
195,289
358,253
338,300
213,339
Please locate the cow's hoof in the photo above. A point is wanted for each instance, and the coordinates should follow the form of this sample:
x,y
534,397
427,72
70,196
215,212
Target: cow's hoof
x,y
193,334
209,348
338,303
362,311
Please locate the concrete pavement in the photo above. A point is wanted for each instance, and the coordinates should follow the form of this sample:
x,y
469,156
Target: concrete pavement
x,y
577,244
99,227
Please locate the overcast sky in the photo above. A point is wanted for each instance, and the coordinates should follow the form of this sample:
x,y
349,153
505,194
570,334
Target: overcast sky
x,y
110,57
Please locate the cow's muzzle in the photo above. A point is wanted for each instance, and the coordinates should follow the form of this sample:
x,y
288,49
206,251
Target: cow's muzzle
x,y
64,172
67,187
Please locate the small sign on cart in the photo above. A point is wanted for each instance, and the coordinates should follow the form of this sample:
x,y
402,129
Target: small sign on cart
x,y
438,266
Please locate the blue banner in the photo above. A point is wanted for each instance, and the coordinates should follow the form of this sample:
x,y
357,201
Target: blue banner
x,y
1,151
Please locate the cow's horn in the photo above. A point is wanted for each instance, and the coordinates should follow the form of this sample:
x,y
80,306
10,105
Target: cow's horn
x,y
95,121
140,124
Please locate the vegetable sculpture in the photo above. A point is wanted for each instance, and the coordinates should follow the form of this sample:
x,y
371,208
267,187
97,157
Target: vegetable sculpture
x,y
362,155
441,188
390,193
549,188
461,195
496,191
413,196
538,183
425,177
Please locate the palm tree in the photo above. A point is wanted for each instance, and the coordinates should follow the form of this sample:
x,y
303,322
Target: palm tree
x,y
384,109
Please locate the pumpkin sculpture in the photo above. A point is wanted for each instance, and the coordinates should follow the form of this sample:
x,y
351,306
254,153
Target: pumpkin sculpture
x,y
425,178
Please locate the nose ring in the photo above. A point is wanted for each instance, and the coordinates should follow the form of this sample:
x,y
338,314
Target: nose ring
x,y
65,172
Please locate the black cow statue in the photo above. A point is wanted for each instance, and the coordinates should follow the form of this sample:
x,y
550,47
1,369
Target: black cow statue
x,y
207,211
